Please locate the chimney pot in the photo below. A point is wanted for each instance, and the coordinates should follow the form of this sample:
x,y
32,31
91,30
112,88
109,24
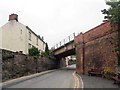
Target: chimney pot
x,y
13,17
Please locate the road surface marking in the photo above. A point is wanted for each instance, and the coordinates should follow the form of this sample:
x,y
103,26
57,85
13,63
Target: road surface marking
x,y
76,80
82,85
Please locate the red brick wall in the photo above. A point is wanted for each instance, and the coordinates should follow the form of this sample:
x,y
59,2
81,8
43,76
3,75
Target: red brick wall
x,y
79,49
97,32
95,48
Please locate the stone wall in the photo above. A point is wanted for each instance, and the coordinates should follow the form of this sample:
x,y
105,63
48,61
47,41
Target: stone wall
x,y
0,66
96,49
16,65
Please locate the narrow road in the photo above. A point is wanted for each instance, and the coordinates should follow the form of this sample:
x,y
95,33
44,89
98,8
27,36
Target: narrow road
x,y
62,78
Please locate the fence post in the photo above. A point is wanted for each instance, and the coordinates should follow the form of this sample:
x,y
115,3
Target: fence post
x,y
69,38
60,43
56,45
74,35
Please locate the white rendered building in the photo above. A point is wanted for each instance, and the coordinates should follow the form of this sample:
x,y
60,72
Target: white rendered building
x,y
15,36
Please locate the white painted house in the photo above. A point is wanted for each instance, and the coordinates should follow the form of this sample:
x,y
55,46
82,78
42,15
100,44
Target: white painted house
x,y
15,36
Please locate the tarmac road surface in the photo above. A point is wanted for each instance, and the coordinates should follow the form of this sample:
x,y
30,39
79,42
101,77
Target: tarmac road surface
x,y
62,78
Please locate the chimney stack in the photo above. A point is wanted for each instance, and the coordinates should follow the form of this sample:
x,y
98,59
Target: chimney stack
x,y
13,17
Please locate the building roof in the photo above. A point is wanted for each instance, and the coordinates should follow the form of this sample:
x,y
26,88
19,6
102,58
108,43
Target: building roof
x,y
35,34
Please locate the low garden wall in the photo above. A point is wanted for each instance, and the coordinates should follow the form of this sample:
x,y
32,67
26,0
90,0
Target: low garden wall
x,y
16,65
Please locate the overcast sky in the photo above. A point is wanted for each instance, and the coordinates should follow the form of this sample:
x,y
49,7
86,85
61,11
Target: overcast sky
x,y
54,19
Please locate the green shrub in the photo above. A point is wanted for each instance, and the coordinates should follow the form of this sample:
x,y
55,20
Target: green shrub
x,y
34,51
108,73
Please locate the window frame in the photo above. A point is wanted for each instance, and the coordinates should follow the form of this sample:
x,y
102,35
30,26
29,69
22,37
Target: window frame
x,y
30,34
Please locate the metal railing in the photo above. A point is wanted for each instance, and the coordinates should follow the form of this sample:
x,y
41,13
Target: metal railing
x,y
64,41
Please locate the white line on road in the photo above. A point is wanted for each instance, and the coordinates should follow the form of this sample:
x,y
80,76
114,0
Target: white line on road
x,y
74,80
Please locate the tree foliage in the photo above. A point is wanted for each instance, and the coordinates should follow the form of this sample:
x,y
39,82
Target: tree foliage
x,y
34,51
47,49
113,15
48,53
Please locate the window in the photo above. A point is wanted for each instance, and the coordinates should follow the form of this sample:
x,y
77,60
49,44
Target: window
x,y
29,46
36,40
21,31
29,35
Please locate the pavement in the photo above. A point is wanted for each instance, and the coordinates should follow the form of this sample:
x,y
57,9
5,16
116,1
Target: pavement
x,y
96,82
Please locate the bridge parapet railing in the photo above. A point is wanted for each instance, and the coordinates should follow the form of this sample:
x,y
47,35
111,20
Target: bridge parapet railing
x,y
64,41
